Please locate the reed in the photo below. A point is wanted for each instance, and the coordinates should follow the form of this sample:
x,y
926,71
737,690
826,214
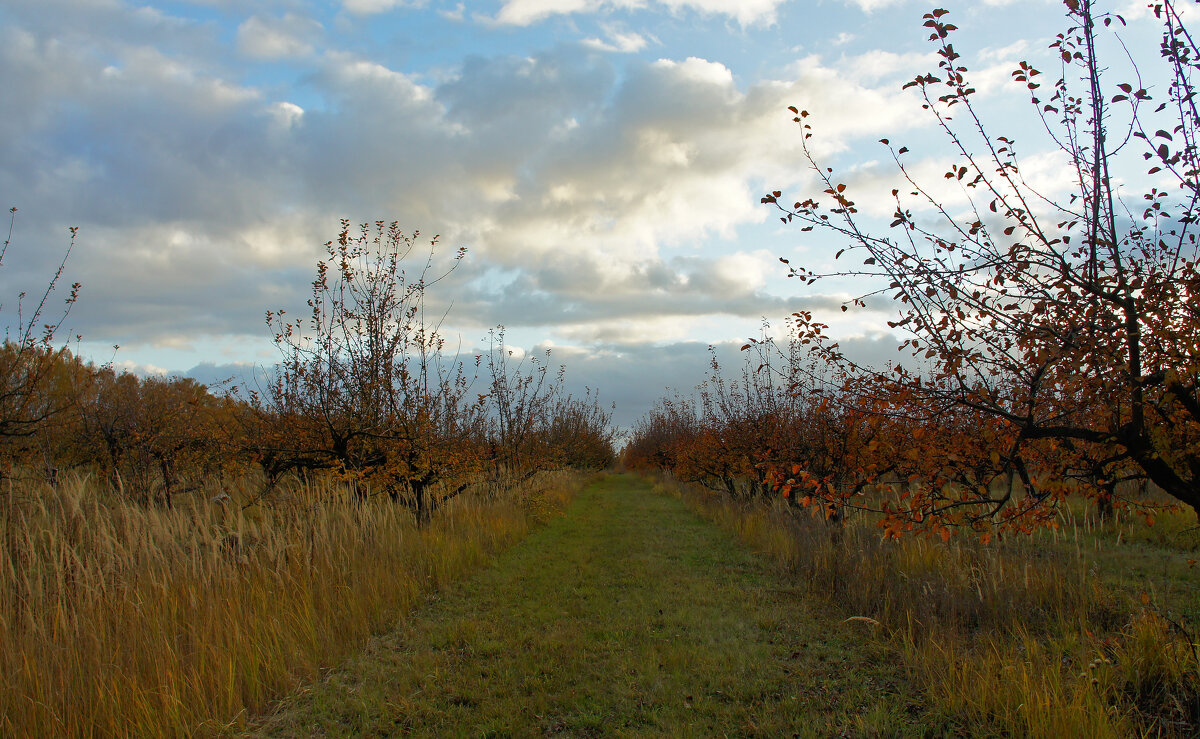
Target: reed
x,y
122,619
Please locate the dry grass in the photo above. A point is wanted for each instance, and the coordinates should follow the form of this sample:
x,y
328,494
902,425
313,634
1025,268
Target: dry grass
x,y
119,619
1034,636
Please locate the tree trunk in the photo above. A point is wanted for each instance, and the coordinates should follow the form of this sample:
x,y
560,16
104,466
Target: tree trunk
x,y
421,504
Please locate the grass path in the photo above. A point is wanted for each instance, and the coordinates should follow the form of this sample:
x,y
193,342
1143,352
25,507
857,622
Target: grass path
x,y
628,616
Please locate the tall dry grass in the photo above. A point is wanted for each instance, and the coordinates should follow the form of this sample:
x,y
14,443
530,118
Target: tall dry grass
x,y
120,619
1018,638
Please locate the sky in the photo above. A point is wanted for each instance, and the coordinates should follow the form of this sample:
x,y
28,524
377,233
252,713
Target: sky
x,y
601,161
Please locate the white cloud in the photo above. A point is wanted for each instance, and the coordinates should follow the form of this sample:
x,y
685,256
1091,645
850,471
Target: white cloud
x,y
205,201
852,106
997,78
745,12
876,65
610,202
1051,173
1135,10
141,370
285,114
528,12
288,37
1008,53
634,330
746,271
702,71
370,7
456,14
355,77
625,42
870,6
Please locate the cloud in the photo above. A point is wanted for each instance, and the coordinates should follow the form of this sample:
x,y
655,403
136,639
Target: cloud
x,y
1136,10
241,376
456,15
203,200
877,65
672,158
287,37
633,376
528,12
141,370
1006,54
870,6
370,7
623,42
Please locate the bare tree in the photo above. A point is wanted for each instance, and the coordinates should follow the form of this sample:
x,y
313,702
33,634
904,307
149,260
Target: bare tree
x,y
30,357
365,387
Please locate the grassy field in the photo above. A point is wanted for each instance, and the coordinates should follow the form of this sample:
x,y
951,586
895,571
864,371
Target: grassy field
x,y
628,616
1086,630
629,607
118,619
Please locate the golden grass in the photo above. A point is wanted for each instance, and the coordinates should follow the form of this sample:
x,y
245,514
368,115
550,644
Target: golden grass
x,y
119,619
1025,637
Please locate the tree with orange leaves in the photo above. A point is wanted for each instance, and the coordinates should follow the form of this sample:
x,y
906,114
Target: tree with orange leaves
x,y
1062,335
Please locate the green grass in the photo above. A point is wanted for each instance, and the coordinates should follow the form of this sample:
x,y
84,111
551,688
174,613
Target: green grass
x,y
630,615
1083,631
1133,558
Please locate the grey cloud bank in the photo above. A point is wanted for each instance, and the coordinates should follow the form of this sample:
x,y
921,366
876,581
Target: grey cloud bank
x,y
630,377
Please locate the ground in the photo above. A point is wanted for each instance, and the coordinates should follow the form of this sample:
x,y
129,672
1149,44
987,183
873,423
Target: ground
x,y
629,615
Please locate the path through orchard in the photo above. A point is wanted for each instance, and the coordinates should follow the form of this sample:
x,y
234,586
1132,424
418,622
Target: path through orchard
x,y
629,615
